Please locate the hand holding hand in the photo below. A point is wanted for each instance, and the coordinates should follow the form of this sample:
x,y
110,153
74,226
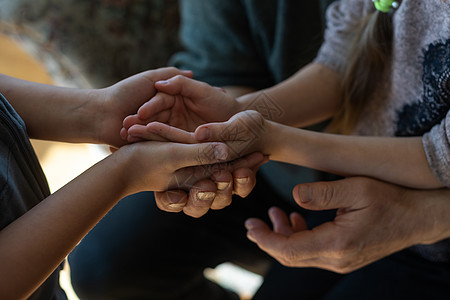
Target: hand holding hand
x,y
198,168
184,103
214,193
243,133
124,98
374,219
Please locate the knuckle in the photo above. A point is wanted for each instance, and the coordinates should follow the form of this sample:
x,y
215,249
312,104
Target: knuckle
x,y
178,78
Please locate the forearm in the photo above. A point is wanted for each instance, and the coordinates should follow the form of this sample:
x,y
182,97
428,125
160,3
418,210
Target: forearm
x,y
308,97
35,244
52,113
398,160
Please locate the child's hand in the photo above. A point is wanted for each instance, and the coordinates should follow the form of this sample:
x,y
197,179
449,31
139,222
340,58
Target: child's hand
x,y
122,99
244,133
184,103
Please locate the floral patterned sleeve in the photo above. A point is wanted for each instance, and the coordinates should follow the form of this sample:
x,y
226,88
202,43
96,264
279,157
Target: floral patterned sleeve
x,y
437,148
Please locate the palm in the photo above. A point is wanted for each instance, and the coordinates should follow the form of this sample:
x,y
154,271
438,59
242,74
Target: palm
x,y
188,114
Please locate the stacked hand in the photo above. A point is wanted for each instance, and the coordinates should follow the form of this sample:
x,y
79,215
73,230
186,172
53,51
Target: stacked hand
x,y
193,190
374,219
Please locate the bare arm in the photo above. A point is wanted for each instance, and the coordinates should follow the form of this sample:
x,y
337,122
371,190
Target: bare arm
x,y
32,246
397,160
74,115
310,96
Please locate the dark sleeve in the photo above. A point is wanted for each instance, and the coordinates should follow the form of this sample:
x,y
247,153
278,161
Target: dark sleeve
x,y
245,42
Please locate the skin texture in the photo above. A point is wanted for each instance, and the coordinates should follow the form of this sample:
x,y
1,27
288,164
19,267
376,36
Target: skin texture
x,y
384,158
353,239
33,245
374,218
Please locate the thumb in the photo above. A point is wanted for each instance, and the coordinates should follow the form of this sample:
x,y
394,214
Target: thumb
x,y
325,195
184,86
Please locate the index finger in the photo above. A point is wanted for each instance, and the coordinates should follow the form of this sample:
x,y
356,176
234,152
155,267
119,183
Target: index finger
x,y
159,103
300,246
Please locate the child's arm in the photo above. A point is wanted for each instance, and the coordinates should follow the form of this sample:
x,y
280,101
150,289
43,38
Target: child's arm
x,y
74,115
310,96
32,246
397,160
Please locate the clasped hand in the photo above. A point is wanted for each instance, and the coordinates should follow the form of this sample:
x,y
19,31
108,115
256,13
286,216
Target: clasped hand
x,y
198,178
373,218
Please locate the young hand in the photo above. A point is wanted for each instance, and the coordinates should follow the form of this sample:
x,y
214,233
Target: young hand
x,y
244,133
124,98
184,103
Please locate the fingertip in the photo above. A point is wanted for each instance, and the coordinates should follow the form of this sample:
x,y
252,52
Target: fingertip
x,y
161,83
171,201
202,134
123,134
302,193
250,223
188,73
130,121
142,113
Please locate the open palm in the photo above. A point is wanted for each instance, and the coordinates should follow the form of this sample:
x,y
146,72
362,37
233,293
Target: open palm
x,y
184,103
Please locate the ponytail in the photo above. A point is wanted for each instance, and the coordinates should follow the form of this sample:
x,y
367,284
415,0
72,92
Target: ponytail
x,y
368,58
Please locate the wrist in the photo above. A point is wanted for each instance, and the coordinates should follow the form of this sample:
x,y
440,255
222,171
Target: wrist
x,y
123,161
433,209
263,103
272,140
94,116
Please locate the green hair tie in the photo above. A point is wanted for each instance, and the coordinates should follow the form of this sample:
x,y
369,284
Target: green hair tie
x,y
385,5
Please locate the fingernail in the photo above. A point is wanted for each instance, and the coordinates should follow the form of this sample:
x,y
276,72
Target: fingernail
x,y
206,196
163,82
242,180
220,152
221,186
177,205
301,192
203,134
248,224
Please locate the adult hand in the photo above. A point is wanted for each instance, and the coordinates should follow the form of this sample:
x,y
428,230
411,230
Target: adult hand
x,y
184,103
187,167
215,193
374,219
123,99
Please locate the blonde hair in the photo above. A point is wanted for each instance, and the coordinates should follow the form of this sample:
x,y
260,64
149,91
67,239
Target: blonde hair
x,y
368,58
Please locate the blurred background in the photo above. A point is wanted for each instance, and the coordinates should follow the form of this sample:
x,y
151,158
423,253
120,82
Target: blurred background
x,y
92,43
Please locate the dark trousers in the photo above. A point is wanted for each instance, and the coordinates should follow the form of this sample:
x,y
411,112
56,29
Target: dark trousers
x,y
140,252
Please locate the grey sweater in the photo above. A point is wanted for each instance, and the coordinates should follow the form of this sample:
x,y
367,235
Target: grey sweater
x,y
414,99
